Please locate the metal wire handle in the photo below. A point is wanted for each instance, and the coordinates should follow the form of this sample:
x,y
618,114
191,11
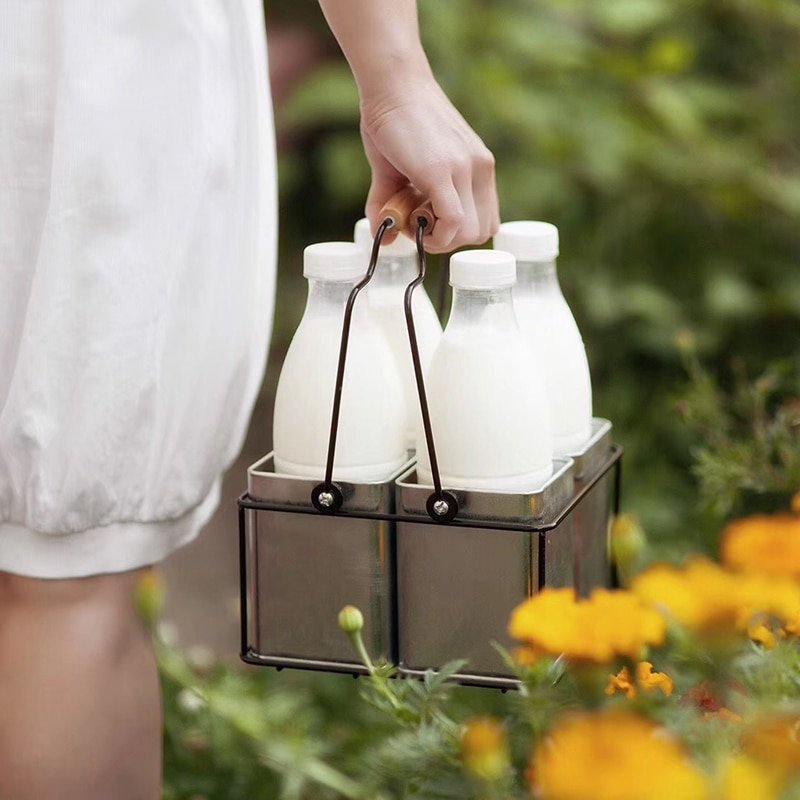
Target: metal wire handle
x,y
442,505
327,497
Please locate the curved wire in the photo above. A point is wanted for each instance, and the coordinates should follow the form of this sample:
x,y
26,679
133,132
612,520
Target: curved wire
x,y
422,223
348,315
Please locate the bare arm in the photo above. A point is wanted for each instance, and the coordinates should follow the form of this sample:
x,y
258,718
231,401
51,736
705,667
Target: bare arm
x,y
411,131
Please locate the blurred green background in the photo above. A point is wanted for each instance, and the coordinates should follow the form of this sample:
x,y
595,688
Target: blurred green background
x,y
662,137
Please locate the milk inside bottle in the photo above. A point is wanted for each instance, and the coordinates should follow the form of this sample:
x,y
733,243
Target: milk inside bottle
x,y
545,317
397,267
488,407
370,444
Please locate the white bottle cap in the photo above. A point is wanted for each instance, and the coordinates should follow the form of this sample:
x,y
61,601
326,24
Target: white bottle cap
x,y
528,240
334,261
401,246
482,269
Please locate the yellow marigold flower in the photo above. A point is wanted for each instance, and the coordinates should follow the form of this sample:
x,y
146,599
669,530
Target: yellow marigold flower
x,y
703,595
484,748
621,682
546,622
613,755
645,679
607,625
650,681
792,627
744,778
761,634
775,739
764,544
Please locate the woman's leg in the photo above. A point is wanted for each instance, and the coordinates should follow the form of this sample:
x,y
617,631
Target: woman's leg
x,y
80,712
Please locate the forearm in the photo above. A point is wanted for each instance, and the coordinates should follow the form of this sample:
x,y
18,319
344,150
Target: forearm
x,y
380,40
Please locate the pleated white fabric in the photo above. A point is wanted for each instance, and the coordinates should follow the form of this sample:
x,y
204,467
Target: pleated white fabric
x,y
137,271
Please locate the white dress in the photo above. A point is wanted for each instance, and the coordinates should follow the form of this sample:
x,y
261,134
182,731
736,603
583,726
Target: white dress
x,y
137,271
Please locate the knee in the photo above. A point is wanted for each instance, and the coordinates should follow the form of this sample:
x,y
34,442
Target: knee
x,y
98,613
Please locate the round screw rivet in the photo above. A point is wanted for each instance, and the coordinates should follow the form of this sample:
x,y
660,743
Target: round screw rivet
x,y
325,499
441,507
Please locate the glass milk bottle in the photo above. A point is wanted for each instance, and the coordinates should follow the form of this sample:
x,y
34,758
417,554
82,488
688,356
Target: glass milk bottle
x,y
370,445
545,317
488,408
397,266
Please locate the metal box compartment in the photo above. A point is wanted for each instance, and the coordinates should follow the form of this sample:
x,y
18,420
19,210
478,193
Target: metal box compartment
x,y
457,583
592,516
300,567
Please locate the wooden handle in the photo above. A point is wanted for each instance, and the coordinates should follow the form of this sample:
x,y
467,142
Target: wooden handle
x,y
400,205
426,212
405,208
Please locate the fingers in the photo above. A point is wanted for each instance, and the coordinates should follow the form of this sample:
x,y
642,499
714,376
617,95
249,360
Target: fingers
x,y
484,187
463,195
424,141
449,213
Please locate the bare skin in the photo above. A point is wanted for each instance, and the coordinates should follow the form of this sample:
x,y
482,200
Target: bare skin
x,y
79,691
412,133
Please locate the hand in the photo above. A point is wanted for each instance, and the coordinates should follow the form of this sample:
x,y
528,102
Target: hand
x,y
413,134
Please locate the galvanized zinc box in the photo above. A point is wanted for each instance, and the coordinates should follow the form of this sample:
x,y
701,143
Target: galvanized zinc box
x,y
457,583
299,568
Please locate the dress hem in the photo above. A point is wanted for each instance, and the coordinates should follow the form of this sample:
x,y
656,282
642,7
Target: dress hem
x,y
119,547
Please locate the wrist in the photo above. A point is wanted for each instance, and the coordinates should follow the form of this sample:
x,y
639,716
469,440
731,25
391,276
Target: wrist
x,y
392,74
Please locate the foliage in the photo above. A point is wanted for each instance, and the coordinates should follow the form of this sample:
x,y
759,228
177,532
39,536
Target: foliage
x,y
750,452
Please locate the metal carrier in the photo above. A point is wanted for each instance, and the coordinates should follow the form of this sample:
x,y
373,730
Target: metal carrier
x,y
435,572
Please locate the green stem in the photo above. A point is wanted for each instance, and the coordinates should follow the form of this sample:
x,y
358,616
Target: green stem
x,y
377,680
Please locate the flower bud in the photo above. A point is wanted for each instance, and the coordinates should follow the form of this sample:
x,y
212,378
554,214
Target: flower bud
x,y
627,543
149,595
484,749
351,620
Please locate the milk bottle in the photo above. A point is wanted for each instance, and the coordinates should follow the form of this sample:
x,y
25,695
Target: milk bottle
x,y
397,267
545,317
370,444
487,402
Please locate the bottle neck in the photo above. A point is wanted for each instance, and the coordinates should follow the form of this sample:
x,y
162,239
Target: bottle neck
x,y
330,297
394,272
487,312
536,278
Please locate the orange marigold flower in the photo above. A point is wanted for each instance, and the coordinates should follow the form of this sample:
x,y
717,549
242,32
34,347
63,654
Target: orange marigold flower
x,y
703,595
792,627
764,544
613,755
621,682
775,739
650,681
645,679
484,748
607,625
761,634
